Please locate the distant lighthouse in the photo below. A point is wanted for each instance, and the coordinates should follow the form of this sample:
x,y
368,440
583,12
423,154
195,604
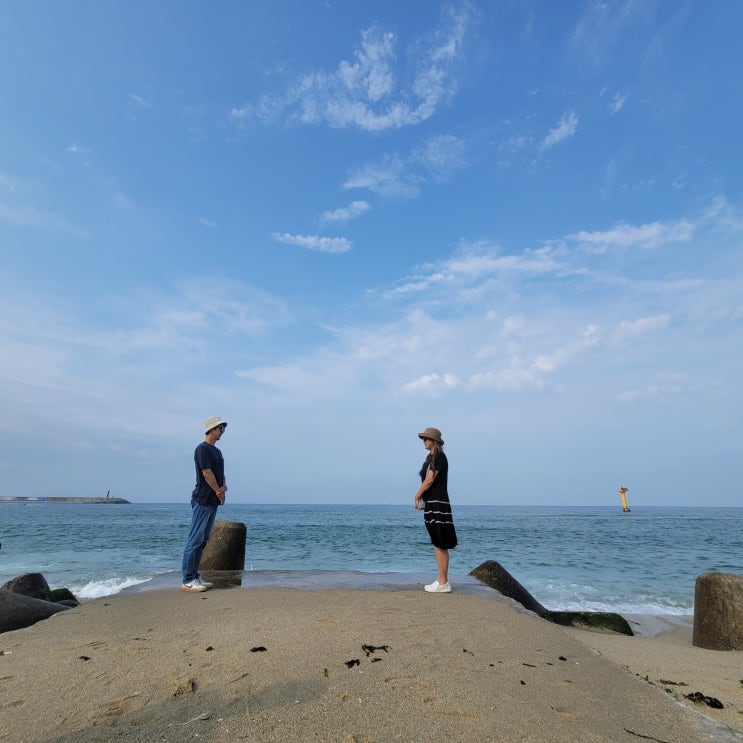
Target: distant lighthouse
x,y
623,493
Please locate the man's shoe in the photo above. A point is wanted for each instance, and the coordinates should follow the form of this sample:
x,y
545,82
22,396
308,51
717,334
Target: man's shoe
x,y
194,586
437,587
205,583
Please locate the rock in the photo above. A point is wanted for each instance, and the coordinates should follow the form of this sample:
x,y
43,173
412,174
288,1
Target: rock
x,y
601,621
63,596
493,574
718,612
18,611
226,547
29,584
35,586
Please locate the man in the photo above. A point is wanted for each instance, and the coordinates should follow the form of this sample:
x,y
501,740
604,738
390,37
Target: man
x,y
207,496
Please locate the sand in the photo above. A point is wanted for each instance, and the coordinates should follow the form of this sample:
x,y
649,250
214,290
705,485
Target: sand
x,y
668,660
353,666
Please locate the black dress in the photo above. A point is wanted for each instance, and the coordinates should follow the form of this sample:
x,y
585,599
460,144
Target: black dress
x,y
437,511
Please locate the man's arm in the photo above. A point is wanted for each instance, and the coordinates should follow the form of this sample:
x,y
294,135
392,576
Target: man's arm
x,y
211,481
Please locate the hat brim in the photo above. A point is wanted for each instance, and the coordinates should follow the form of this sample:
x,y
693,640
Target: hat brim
x,y
428,436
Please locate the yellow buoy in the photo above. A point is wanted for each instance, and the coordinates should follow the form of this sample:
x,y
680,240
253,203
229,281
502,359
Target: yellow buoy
x,y
622,492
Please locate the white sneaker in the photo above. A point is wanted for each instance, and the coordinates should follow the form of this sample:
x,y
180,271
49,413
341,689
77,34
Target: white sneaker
x,y
194,586
437,587
204,583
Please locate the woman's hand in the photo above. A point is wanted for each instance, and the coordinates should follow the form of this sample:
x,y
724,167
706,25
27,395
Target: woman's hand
x,y
419,504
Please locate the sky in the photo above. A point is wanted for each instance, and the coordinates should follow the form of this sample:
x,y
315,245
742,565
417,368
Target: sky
x,y
334,224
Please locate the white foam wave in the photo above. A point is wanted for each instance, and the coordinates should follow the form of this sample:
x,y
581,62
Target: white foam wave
x,y
621,608
96,588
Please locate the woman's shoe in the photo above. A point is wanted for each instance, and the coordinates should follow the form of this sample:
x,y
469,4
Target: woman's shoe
x,y
437,587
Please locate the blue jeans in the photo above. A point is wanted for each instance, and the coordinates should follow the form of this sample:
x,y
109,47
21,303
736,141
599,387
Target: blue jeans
x,y
202,521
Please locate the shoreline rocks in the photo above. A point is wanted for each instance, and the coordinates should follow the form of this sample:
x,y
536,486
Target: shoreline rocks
x,y
226,547
718,611
493,574
27,599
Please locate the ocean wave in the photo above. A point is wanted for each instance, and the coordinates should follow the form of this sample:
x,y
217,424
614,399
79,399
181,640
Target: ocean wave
x,y
656,609
95,589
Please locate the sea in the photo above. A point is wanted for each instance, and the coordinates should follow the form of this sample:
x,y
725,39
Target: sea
x,y
569,558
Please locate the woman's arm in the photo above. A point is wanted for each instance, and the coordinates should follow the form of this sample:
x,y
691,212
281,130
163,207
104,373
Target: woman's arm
x,y
427,482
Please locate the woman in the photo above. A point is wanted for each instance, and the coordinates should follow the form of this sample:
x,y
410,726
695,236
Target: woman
x,y
432,498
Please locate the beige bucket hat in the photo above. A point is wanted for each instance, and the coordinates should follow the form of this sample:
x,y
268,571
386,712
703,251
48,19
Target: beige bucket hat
x,y
213,422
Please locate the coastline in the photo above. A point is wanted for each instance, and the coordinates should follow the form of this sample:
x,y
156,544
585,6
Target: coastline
x,y
87,548
643,625
159,664
52,499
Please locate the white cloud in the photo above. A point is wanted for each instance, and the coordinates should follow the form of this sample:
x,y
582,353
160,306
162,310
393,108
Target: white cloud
x,y
565,128
538,339
617,103
664,388
604,23
345,214
82,373
505,378
524,365
139,100
513,324
432,384
371,75
29,216
478,263
436,159
623,236
440,156
723,215
179,321
281,376
18,207
268,110
315,242
513,145
365,92
123,203
388,178
642,326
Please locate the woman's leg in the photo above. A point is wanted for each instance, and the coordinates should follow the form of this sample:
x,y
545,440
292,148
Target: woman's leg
x,y
442,562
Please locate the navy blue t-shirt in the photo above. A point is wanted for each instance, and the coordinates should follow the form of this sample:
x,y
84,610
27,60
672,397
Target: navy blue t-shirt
x,y
207,457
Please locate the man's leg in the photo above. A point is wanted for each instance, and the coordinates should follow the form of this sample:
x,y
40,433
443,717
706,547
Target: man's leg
x,y
202,521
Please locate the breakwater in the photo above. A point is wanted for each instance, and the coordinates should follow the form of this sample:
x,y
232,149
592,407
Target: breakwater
x,y
61,499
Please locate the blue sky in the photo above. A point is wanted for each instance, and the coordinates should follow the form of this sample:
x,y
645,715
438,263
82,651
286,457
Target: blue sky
x,y
336,223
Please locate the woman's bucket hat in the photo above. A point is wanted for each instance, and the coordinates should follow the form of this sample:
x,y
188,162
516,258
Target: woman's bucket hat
x,y
432,433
